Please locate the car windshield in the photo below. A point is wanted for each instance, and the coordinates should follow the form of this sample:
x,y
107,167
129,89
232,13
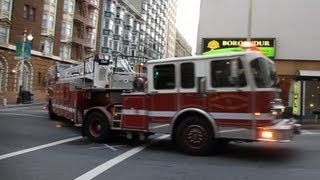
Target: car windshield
x,y
264,73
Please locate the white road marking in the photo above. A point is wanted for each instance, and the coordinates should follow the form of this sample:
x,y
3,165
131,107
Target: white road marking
x,y
109,164
8,155
13,109
121,145
25,115
104,146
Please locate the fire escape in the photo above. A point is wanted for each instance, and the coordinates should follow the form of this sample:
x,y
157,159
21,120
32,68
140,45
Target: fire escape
x,y
83,24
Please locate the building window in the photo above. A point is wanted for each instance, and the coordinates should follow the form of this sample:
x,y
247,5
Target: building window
x,y
109,24
46,46
25,11
65,51
3,34
66,29
51,22
47,21
68,6
127,35
91,38
125,50
118,30
128,20
110,6
93,18
107,42
29,12
133,52
6,5
120,13
117,46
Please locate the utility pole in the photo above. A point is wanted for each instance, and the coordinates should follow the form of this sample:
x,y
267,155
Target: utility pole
x,y
23,56
249,20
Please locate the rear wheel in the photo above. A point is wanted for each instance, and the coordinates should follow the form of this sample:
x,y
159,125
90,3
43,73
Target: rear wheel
x,y
194,135
52,115
96,127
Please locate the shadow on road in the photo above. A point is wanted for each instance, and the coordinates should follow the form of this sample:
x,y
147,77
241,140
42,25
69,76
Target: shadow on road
x,y
254,152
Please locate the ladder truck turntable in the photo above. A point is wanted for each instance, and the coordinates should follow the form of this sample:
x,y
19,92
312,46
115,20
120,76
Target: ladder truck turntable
x,y
201,101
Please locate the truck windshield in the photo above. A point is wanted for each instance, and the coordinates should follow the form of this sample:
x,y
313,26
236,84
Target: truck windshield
x,y
264,73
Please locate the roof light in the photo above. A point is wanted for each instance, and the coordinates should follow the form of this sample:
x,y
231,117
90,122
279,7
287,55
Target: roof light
x,y
249,46
246,44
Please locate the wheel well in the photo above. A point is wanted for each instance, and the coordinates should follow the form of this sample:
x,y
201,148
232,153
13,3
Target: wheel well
x,y
181,117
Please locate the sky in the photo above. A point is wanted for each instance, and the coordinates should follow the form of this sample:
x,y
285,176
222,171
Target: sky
x,y
187,20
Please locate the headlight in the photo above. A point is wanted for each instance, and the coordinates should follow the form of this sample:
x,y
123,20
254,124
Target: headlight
x,y
277,112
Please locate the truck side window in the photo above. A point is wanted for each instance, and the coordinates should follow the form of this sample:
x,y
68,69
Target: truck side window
x,y
264,73
241,75
164,76
187,75
225,74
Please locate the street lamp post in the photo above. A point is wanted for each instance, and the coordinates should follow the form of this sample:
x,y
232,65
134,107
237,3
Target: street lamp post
x,y
24,56
249,20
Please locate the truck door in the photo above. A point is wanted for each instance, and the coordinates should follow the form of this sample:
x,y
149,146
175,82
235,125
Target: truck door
x,y
190,93
230,98
163,96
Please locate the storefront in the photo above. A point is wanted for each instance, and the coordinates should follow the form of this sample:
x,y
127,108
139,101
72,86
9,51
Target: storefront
x,y
305,95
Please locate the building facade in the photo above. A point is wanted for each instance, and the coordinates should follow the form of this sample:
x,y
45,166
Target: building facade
x,y
171,30
50,23
133,29
182,47
70,31
82,31
292,30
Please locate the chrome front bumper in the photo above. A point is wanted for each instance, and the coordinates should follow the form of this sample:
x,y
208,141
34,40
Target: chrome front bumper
x,y
283,131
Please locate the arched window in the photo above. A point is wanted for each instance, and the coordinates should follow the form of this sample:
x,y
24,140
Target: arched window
x,y
26,76
3,74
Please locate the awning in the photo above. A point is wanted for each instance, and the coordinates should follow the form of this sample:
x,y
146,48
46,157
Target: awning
x,y
308,75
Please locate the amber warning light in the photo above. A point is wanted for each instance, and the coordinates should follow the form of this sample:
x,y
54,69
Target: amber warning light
x,y
265,135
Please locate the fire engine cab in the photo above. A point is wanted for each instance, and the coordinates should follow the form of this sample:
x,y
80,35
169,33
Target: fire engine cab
x,y
201,101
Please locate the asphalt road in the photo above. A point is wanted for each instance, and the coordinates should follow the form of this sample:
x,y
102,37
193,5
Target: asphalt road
x,y
34,147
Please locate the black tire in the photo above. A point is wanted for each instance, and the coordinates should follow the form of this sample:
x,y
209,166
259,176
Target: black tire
x,y
195,136
97,128
52,115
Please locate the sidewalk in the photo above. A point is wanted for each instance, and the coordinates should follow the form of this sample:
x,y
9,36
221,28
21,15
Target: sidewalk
x,y
306,124
23,105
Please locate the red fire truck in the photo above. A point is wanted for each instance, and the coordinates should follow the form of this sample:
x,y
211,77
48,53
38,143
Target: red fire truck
x,y
201,101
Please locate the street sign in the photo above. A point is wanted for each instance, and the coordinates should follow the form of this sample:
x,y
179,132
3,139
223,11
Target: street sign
x,y
102,59
23,50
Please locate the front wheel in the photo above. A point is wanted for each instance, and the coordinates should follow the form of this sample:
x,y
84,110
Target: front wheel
x,y
96,127
195,136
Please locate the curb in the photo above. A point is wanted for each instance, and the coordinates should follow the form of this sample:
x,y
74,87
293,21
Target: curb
x,y
310,126
22,105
